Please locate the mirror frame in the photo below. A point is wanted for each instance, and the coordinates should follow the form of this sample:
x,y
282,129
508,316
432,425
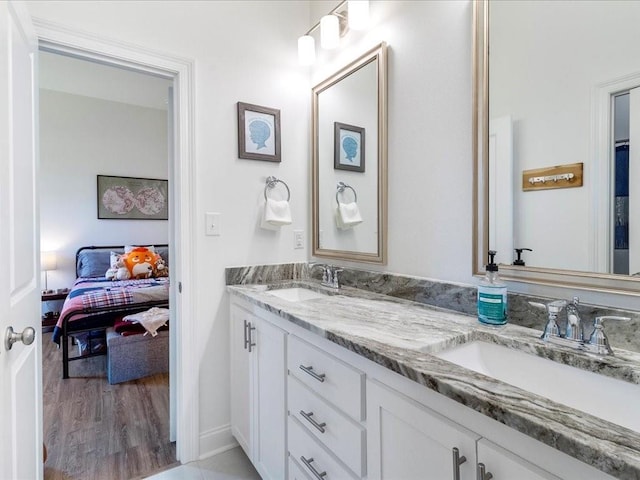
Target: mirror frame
x,y
598,282
379,53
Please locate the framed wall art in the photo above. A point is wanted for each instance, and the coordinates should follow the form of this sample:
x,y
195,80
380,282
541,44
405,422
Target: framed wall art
x,y
348,147
128,198
258,132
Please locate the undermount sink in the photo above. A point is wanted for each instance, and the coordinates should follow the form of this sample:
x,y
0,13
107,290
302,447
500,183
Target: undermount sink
x,y
604,397
296,294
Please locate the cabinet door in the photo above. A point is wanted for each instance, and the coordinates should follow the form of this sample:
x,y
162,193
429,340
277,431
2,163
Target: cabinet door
x,y
407,441
269,401
505,465
240,380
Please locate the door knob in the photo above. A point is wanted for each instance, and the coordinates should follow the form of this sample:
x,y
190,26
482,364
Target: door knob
x,y
27,337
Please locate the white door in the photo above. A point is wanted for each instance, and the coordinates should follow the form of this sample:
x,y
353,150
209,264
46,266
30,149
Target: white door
x,y
20,366
407,441
501,228
634,185
269,399
240,379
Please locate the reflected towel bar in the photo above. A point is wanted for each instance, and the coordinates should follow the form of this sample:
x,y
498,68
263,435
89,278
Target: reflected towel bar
x,y
341,188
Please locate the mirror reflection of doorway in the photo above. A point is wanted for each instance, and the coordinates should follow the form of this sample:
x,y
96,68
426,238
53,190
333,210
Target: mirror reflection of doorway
x,y
621,184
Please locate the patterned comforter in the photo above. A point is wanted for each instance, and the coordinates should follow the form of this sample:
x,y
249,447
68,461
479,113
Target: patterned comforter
x,y
95,296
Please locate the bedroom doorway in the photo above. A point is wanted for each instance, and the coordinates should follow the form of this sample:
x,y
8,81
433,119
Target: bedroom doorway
x,y
98,119
61,40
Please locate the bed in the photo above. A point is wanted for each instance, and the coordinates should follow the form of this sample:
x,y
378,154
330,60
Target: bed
x,y
95,303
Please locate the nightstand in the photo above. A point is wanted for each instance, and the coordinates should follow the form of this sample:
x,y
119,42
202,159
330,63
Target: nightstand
x,y
49,321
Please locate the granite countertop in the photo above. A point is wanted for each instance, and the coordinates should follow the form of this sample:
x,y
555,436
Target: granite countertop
x,y
403,336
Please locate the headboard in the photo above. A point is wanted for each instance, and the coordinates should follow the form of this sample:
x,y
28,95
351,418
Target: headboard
x,y
94,261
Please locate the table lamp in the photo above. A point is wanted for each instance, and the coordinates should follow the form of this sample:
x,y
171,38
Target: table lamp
x,y
47,262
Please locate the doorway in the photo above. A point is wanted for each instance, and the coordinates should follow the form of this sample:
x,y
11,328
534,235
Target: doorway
x,y
184,405
99,119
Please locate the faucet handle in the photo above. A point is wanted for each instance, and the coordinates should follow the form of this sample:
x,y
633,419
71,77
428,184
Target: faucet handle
x,y
551,329
598,341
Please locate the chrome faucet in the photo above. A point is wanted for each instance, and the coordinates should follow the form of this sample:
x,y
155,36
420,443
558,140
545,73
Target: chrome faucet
x,y
329,275
574,335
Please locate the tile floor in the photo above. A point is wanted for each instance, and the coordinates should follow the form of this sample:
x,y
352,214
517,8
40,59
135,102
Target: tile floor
x,y
230,465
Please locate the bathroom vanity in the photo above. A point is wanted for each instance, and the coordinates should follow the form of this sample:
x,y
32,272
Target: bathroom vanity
x,y
351,384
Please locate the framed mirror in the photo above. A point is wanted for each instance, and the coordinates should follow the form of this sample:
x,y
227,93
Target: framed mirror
x,y
349,161
548,96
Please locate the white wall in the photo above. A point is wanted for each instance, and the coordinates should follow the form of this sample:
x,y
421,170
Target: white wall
x,y
243,51
80,138
546,58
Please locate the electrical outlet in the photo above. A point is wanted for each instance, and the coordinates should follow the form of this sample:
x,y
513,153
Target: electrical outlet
x,y
298,239
213,224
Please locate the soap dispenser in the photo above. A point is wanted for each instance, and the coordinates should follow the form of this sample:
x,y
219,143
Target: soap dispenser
x,y
492,295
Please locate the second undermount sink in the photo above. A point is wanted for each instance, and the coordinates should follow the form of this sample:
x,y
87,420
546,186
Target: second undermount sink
x,y
296,294
604,397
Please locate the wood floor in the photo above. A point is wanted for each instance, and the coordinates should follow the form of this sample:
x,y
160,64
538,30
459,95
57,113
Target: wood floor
x,y
93,430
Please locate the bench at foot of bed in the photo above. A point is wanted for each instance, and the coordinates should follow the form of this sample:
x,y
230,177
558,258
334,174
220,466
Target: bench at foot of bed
x,y
136,356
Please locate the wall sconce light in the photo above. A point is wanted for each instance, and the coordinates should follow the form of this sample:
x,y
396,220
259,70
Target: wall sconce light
x,y
48,262
332,27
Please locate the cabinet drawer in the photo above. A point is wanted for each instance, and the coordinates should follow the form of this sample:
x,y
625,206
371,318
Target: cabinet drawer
x,y
341,384
340,434
312,457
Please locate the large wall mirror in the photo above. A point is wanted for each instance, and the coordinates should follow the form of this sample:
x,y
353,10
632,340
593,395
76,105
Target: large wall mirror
x,y
349,143
558,83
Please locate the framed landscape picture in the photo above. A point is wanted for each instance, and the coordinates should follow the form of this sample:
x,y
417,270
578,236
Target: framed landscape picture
x,y
129,198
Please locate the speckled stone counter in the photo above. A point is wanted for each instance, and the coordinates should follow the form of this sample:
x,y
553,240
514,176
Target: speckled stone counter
x,y
402,336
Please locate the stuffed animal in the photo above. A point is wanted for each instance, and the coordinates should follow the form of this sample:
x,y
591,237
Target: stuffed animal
x,y
160,268
139,262
118,271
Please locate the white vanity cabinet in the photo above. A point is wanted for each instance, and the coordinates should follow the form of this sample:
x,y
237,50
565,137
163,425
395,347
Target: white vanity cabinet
x,y
406,440
258,392
304,408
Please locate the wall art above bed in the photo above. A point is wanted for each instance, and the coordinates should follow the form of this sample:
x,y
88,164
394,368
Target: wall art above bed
x,y
128,198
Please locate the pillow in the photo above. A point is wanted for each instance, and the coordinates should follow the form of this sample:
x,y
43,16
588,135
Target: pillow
x,y
93,263
128,248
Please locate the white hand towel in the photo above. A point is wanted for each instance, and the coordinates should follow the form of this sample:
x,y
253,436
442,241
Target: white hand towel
x,y
348,215
277,212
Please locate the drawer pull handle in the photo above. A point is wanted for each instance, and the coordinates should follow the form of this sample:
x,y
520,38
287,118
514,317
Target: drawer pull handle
x,y
318,475
457,461
309,370
246,337
248,342
482,474
307,417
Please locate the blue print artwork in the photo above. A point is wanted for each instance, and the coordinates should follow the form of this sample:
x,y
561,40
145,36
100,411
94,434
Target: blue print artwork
x,y
259,131
350,147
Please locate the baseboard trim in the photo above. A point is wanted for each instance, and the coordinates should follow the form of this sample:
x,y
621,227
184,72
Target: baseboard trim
x,y
215,441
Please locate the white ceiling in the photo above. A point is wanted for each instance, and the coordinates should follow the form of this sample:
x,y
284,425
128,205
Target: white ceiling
x,y
90,79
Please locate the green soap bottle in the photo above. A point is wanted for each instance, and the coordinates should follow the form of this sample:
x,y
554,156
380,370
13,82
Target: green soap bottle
x,y
492,296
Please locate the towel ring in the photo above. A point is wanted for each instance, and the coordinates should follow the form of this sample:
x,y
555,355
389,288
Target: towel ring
x,y
341,188
272,182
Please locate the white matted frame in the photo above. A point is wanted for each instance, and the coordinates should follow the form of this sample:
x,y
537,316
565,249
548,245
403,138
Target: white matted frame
x,y
184,370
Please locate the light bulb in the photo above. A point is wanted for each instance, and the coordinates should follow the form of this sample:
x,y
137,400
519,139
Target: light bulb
x,y
329,32
306,50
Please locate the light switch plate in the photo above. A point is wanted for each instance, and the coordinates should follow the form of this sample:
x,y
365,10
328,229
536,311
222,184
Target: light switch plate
x,y
213,224
298,239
